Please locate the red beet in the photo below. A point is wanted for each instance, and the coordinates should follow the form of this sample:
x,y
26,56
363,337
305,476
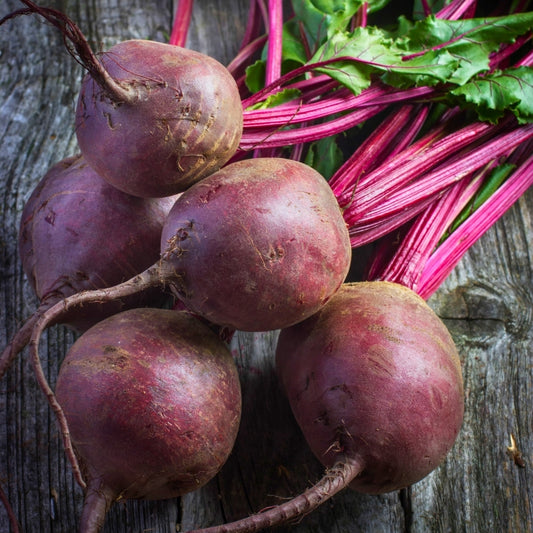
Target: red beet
x,y
179,120
152,401
259,245
79,233
374,382
152,118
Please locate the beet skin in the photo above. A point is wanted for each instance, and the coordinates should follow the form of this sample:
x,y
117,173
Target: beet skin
x,y
259,245
180,118
152,400
79,233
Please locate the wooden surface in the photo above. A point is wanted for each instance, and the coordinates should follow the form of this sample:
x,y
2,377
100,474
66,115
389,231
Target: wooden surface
x,y
486,302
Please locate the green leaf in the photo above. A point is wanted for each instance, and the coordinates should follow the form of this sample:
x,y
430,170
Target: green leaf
x,y
255,76
281,97
293,48
470,41
323,18
434,6
370,50
376,5
427,52
325,156
491,95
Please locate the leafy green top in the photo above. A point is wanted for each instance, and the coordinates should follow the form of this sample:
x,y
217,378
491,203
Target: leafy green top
x,y
451,55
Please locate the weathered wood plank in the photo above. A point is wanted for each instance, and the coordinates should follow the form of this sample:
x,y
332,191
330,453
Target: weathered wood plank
x,y
486,302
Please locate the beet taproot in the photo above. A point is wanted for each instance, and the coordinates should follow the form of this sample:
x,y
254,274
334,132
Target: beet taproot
x,y
258,246
180,120
79,233
151,118
152,402
374,381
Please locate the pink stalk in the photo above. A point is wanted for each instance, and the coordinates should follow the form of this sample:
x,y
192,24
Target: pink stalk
x,y
361,18
402,168
257,134
182,22
450,252
413,165
370,231
426,8
275,38
388,138
264,12
526,61
427,230
273,138
455,169
239,63
457,9
253,25
383,213
333,102
315,87
497,58
339,101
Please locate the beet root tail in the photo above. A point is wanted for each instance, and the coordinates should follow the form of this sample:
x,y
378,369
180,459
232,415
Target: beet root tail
x,y
151,277
336,478
97,502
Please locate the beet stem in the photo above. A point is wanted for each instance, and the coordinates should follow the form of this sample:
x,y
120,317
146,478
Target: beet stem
x,y
85,56
19,341
336,478
182,23
275,37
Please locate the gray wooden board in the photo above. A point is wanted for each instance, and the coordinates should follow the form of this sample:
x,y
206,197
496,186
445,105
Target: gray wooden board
x,y
486,302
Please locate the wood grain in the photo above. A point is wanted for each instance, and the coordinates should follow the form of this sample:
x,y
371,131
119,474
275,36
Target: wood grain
x,y
486,302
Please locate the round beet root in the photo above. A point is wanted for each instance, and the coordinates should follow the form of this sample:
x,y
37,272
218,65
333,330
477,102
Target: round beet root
x,y
259,245
374,381
375,375
152,400
79,233
179,119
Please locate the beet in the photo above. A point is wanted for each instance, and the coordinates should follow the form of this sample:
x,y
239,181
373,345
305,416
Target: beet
x,y
259,245
180,120
374,382
152,118
79,233
152,401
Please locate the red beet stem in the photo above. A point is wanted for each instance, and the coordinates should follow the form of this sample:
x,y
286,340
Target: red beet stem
x,y
182,23
19,341
82,51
